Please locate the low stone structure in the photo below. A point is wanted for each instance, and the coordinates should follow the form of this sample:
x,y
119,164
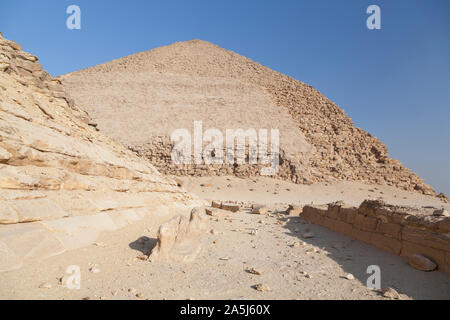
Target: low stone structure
x,y
179,240
399,230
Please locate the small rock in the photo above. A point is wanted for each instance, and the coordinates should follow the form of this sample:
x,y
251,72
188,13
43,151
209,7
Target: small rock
x,y
257,271
421,263
441,213
349,276
262,287
225,258
260,209
308,235
45,285
390,293
95,269
206,185
210,211
229,206
139,295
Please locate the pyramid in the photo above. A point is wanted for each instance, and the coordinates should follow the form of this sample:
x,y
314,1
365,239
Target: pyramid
x,y
140,99
61,181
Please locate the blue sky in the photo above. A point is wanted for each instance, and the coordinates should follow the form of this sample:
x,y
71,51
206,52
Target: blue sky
x,y
393,82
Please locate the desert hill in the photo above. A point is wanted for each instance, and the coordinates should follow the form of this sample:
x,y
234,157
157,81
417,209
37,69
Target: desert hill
x,y
61,181
141,98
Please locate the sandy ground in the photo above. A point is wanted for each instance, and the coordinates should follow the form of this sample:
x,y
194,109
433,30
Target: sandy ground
x,y
316,269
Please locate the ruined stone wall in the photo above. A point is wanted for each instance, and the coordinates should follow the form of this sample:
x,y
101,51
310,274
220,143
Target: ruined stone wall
x,y
398,230
159,151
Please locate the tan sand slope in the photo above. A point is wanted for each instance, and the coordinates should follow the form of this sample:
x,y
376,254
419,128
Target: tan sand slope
x,y
61,181
140,98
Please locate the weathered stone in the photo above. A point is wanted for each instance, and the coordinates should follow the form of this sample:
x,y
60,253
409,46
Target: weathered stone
x,y
216,204
391,229
256,271
365,223
179,239
422,263
327,137
260,209
390,293
262,287
47,146
441,213
7,214
308,235
437,256
427,238
386,243
229,206
294,210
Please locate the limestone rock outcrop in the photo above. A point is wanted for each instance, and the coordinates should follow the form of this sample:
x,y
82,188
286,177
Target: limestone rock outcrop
x,y
179,240
61,181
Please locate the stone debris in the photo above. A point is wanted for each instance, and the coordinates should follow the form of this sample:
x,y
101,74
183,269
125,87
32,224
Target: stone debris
x,y
216,204
294,210
308,235
229,206
441,213
390,293
179,238
349,276
262,287
321,142
210,211
298,244
260,209
256,271
45,285
419,262
61,181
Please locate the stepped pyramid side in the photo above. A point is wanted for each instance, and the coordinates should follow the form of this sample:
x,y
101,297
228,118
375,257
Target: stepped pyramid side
x,y
334,148
61,181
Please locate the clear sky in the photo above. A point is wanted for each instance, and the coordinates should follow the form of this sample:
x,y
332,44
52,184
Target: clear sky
x,y
393,82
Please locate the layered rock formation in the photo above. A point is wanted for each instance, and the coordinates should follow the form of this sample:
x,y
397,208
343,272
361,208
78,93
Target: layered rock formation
x,y
170,87
61,181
